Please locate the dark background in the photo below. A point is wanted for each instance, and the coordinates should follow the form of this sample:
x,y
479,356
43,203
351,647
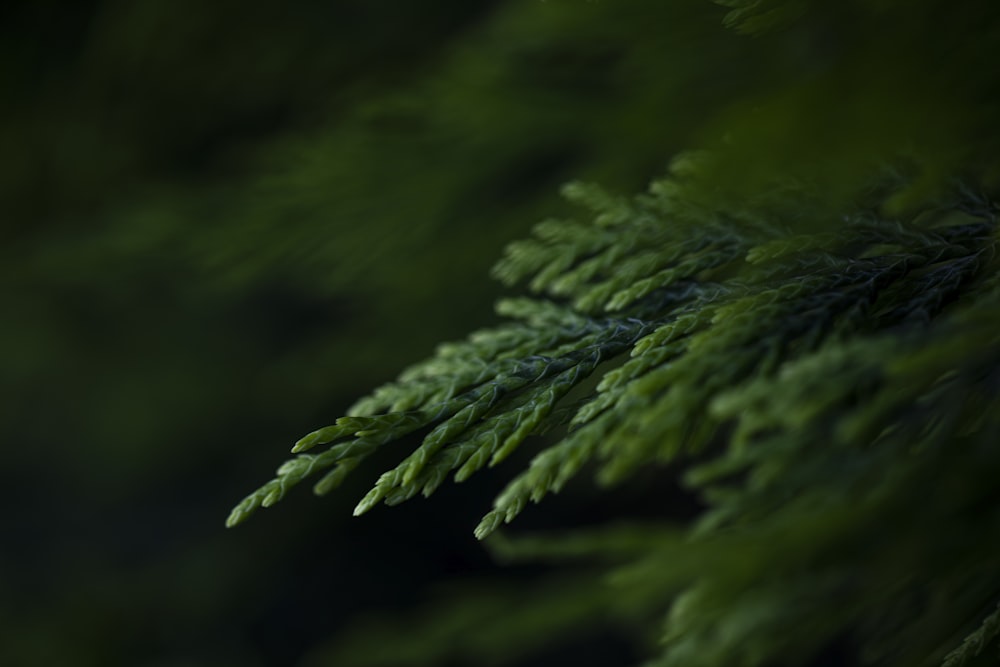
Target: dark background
x,y
221,222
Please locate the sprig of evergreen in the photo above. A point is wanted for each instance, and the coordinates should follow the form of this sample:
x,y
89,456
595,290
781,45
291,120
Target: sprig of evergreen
x,y
689,337
816,386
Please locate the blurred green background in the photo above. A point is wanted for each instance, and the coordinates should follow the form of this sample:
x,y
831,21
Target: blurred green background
x,y
221,222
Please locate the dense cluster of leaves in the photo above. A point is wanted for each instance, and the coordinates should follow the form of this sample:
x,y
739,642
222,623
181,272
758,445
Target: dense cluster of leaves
x,y
832,396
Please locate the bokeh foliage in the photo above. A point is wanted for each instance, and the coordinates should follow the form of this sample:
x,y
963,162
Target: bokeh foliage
x,y
222,222
830,398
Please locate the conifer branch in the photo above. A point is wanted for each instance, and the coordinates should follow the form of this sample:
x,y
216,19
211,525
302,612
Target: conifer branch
x,y
694,334
813,384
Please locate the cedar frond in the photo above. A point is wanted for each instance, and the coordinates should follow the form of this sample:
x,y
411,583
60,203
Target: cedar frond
x,y
811,384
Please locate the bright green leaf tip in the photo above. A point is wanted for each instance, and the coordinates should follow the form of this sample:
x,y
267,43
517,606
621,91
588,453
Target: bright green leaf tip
x,y
488,524
236,516
369,501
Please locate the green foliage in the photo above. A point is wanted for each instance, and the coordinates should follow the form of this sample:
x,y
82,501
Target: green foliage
x,y
799,325
222,221
831,396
